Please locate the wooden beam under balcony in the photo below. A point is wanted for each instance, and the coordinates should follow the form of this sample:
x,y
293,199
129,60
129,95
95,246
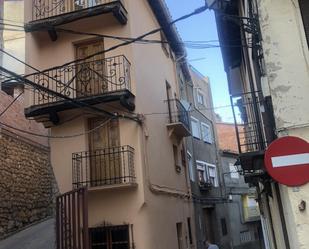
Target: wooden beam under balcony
x,y
48,23
37,111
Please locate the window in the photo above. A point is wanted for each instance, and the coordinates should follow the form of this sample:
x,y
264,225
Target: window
x,y
175,152
189,230
200,98
191,171
201,175
179,235
207,173
304,9
183,157
195,128
246,236
212,172
201,172
176,158
206,133
252,201
223,227
233,171
110,237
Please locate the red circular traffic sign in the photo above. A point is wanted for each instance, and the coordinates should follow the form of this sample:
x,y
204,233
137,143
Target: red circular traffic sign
x,y
287,161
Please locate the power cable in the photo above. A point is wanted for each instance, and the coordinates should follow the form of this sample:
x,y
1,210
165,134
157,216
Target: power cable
x,y
133,40
12,25
188,44
57,137
76,102
9,29
39,87
147,114
195,109
37,70
12,102
14,21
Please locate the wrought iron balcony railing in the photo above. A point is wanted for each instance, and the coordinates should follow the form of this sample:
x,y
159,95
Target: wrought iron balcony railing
x,y
177,113
206,186
248,117
81,80
49,8
103,167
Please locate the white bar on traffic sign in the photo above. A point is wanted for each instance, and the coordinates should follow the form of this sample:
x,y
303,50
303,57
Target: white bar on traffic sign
x,y
290,160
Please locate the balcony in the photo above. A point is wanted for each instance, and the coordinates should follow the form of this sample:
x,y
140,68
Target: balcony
x,y
107,168
90,82
206,186
47,14
178,119
251,130
248,121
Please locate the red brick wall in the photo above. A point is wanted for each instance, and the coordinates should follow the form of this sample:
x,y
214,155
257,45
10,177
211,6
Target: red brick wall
x,y
15,117
227,137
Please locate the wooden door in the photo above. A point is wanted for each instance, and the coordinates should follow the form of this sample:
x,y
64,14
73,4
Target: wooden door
x,y
72,220
105,162
90,79
209,228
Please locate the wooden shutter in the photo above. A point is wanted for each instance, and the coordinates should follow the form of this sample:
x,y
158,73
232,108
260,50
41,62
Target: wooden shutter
x,y
304,9
88,81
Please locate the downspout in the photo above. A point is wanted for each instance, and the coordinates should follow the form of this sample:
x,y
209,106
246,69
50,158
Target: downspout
x,y
282,218
278,195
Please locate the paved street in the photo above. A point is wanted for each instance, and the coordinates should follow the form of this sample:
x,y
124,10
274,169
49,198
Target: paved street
x,y
36,237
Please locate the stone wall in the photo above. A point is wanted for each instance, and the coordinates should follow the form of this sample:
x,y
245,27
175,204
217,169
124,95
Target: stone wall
x,y
26,183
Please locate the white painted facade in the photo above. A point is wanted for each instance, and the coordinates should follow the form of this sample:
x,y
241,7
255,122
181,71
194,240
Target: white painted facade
x,y
287,81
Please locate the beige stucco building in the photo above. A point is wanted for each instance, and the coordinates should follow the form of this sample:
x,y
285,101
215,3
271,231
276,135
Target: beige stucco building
x,y
12,39
13,36
116,125
268,76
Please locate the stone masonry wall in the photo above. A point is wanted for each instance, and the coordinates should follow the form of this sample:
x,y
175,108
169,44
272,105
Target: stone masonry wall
x,y
26,183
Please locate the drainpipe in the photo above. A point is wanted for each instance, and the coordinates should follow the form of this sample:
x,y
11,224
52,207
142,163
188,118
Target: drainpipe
x,y
282,218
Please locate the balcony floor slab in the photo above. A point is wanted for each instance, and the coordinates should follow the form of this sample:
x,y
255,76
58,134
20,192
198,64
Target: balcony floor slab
x,y
113,186
59,106
115,7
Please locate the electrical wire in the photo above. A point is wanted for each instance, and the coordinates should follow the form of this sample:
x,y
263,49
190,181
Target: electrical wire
x,y
123,38
195,109
12,25
14,21
12,102
133,40
74,101
78,103
57,137
8,29
35,69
